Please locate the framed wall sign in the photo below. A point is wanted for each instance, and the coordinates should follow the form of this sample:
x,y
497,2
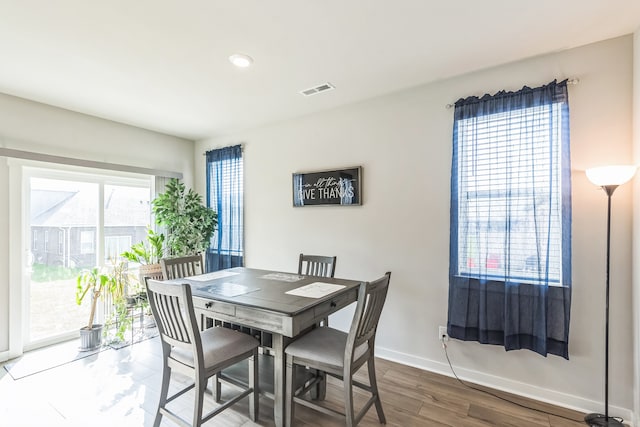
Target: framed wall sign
x,y
334,187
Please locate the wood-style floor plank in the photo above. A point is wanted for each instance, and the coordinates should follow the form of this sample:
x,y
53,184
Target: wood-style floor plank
x,y
120,387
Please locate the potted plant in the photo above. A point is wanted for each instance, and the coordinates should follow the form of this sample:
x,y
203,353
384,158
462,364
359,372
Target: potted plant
x,y
97,285
119,319
91,283
188,222
147,254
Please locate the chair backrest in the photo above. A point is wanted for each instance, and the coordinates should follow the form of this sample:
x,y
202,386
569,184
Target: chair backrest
x,y
172,307
179,267
155,276
151,271
316,265
371,298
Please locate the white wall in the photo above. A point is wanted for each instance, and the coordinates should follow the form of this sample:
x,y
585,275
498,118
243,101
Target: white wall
x,y
30,126
403,142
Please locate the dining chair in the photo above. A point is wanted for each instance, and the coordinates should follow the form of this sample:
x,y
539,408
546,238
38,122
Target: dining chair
x,y
340,355
317,265
179,267
199,355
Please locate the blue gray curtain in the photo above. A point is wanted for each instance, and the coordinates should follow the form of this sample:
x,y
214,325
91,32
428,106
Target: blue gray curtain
x,y
510,237
225,195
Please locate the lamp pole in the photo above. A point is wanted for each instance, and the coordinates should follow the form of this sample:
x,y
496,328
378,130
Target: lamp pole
x,y
609,189
596,419
608,178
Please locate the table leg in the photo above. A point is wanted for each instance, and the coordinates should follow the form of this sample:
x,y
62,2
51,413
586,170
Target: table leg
x,y
278,379
319,392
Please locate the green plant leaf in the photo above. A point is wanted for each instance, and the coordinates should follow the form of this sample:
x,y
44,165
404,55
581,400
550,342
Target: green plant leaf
x,y
190,224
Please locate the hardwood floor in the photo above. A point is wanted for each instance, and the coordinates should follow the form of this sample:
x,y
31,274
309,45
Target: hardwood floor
x,y
120,388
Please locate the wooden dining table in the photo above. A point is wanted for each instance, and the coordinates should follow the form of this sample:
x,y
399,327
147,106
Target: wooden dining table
x,y
279,305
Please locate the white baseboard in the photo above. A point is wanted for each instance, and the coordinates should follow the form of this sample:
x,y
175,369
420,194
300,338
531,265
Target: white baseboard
x,y
553,397
4,356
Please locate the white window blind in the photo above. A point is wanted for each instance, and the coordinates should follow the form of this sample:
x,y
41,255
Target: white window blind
x,y
226,199
508,179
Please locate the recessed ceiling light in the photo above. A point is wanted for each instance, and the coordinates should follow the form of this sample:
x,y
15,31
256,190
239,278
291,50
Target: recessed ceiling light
x,y
240,60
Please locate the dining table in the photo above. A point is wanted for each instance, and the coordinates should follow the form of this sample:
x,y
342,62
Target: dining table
x,y
274,306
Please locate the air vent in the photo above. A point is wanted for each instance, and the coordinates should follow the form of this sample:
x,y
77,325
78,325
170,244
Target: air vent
x,y
317,89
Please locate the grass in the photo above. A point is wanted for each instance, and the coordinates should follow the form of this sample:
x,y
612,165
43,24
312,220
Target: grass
x,y
46,273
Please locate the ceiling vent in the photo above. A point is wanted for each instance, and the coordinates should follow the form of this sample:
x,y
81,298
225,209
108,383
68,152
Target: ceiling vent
x,y
317,89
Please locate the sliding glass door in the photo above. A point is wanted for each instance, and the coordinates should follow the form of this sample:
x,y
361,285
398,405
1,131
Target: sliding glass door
x,y
74,221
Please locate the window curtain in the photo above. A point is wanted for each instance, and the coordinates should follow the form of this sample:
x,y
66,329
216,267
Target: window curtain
x,y
225,196
519,301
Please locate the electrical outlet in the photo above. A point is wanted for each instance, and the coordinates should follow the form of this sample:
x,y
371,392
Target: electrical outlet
x,y
442,333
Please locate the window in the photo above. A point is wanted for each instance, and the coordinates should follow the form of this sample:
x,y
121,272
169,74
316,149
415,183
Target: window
x,y
86,242
60,242
508,179
115,245
225,196
510,245
86,219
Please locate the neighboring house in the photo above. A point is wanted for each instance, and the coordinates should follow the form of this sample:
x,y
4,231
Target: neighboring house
x,y
64,231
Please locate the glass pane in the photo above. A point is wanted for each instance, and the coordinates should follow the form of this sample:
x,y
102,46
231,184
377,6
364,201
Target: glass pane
x,y
509,201
63,224
126,218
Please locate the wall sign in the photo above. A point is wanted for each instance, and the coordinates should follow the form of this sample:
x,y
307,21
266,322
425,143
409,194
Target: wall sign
x,y
335,187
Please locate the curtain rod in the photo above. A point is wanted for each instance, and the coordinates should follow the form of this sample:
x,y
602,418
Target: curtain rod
x,y
241,148
573,81
49,158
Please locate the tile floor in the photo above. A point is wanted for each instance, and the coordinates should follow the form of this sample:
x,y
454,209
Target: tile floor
x,y
111,388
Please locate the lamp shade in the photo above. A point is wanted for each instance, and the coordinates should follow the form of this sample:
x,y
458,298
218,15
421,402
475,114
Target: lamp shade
x,y
611,175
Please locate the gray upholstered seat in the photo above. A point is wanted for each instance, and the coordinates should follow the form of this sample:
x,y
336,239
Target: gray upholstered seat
x,y
218,345
325,345
333,352
176,268
199,355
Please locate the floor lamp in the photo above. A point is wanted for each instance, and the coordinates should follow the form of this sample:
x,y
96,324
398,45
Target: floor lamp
x,y
608,178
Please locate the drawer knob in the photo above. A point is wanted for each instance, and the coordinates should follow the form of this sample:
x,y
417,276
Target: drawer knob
x,y
333,304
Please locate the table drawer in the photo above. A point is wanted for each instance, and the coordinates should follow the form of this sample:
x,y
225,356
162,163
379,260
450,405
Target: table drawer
x,y
214,307
334,304
264,320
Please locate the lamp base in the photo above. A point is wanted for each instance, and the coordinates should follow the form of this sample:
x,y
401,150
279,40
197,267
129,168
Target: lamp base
x,y
600,420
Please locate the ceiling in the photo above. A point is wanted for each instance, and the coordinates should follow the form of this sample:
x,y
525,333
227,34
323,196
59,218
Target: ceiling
x,y
163,64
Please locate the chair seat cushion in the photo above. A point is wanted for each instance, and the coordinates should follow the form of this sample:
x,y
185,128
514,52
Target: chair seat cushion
x,y
218,345
324,345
